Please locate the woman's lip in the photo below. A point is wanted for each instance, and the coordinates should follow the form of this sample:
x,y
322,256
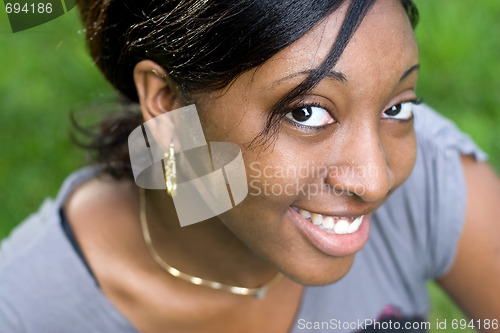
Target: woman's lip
x,y
329,243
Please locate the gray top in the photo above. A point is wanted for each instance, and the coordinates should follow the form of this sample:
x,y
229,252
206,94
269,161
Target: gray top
x,y
46,288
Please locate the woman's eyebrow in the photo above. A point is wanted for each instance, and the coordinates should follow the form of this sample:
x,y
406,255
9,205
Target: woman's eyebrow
x,y
409,71
335,75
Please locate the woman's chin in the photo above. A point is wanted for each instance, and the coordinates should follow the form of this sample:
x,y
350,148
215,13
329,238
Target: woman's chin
x,y
320,274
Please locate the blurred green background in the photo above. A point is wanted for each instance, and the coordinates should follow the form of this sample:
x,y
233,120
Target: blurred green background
x,y
45,73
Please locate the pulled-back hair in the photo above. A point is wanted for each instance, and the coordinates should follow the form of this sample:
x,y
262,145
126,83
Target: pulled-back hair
x,y
203,45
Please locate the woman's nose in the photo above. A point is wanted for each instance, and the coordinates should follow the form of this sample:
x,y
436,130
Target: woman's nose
x,y
362,169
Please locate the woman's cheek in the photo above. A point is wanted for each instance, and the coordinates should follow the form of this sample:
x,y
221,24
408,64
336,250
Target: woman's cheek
x,y
401,154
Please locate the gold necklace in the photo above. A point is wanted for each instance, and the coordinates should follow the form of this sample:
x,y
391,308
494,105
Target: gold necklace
x,y
259,292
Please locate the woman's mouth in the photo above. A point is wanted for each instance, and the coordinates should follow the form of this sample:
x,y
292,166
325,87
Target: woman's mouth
x,y
332,224
333,235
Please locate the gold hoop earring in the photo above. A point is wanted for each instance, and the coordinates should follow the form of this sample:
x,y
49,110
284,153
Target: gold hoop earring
x,y
170,171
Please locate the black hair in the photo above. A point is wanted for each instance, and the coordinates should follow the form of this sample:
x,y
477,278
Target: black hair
x,y
203,45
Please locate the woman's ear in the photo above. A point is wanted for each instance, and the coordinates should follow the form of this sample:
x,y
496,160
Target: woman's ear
x,y
158,93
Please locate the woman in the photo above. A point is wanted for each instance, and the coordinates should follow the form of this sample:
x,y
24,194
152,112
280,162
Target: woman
x,y
326,87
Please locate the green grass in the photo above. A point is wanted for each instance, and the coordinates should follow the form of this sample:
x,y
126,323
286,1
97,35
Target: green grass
x,y
460,74
46,73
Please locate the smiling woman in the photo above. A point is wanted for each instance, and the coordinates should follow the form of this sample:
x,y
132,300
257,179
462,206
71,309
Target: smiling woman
x,y
378,208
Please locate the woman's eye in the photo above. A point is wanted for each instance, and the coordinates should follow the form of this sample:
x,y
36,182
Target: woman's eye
x,y
310,116
401,111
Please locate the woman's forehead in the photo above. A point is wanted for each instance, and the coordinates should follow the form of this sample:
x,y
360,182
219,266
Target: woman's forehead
x,y
384,42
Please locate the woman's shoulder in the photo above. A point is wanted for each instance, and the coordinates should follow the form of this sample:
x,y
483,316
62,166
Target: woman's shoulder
x,y
35,227
40,273
85,198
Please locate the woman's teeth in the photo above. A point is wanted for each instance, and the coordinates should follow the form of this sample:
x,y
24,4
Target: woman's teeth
x,y
332,224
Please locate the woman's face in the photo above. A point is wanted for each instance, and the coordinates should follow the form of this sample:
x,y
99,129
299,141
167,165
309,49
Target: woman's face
x,y
340,152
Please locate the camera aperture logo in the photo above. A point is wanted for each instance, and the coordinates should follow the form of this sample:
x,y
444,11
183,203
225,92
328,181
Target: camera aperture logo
x,y
209,177
26,14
